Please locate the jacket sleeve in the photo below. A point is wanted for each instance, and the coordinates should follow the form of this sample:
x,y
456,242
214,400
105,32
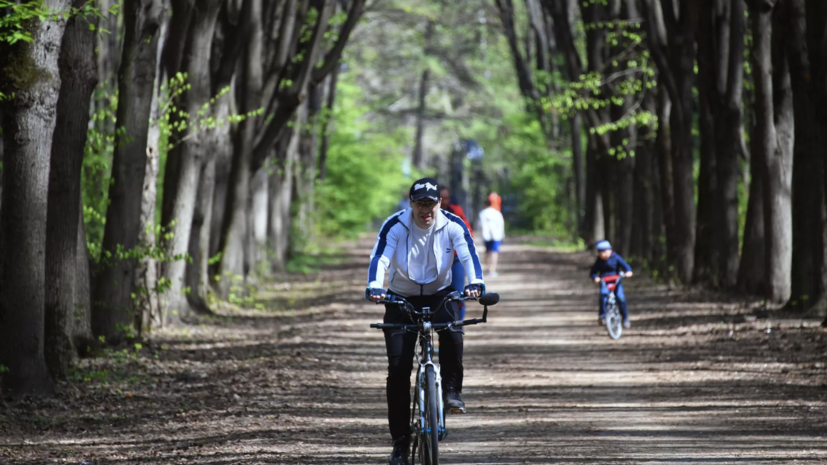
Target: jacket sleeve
x,y
622,264
593,272
466,251
383,251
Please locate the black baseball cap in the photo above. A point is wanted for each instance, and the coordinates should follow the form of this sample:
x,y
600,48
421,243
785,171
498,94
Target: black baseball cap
x,y
425,188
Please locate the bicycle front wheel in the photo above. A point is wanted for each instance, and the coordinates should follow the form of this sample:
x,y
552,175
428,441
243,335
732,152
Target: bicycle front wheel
x,y
613,321
429,434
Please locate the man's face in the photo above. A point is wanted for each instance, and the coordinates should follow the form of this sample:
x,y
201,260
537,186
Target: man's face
x,y
605,254
444,198
424,212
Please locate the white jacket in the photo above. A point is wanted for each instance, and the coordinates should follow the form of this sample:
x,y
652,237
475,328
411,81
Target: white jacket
x,y
491,222
392,251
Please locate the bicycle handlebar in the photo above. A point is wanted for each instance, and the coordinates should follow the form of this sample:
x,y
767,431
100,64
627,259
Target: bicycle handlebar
x,y
492,297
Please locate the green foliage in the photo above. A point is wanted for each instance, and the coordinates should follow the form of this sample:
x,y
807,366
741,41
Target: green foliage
x,y
97,165
538,177
364,167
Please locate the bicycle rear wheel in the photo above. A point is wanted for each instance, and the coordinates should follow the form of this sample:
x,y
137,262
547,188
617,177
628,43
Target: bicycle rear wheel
x,y
429,432
614,324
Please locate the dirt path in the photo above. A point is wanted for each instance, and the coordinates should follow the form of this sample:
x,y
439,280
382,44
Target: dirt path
x,y
696,380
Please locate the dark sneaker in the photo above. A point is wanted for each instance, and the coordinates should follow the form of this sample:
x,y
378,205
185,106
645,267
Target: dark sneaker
x,y
601,321
401,451
454,403
626,323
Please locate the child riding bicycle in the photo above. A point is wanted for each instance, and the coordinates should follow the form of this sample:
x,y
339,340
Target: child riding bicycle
x,y
609,263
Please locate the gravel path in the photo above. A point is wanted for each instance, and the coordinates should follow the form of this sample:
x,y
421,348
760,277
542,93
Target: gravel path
x,y
697,379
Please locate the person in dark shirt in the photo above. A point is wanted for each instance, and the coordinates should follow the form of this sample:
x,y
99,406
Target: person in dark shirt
x,y
448,202
609,263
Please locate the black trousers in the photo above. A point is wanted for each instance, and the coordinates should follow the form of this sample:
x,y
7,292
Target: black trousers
x,y
400,346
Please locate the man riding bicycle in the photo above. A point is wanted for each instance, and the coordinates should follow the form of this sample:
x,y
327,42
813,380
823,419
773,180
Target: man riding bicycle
x,y
416,246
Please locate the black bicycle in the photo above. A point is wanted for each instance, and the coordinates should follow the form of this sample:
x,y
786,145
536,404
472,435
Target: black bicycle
x,y
427,414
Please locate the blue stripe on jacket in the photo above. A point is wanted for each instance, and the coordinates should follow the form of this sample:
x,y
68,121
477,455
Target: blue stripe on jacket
x,y
380,246
469,240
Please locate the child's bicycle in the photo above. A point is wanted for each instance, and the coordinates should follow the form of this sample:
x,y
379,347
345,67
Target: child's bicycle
x,y
614,321
427,414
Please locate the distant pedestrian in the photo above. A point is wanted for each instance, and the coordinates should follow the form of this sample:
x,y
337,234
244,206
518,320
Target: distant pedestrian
x,y
404,202
496,201
490,221
448,203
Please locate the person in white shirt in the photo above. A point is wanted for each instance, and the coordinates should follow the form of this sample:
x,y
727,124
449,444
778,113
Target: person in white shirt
x,y
490,221
416,248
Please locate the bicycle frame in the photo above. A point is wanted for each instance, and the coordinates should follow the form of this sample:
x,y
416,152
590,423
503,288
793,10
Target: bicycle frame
x,y
426,353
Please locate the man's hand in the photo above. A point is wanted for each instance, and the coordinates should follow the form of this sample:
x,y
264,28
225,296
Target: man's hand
x,y
473,290
375,295
628,274
597,280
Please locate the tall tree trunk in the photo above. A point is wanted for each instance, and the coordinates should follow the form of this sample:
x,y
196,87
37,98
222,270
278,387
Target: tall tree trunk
x,y
185,159
729,148
778,161
644,196
330,100
305,169
32,74
670,29
418,158
113,303
598,206
147,314
82,335
259,211
817,49
751,269
78,76
808,195
595,230
199,244
663,156
711,38
235,233
682,58
281,191
579,173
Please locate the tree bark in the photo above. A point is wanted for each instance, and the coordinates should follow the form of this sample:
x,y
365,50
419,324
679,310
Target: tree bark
x,y
147,314
114,284
32,74
663,156
713,35
78,74
281,191
198,251
82,335
674,56
185,159
644,195
729,149
779,163
579,173
418,159
330,101
235,235
751,269
808,165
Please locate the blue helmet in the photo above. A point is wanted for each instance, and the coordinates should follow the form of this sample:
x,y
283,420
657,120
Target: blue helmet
x,y
602,245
